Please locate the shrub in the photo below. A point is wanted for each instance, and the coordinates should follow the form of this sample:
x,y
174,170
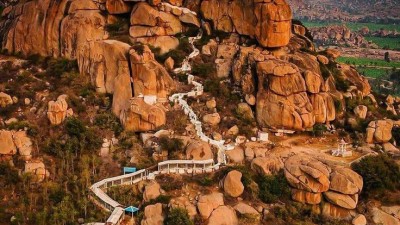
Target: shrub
x,y
172,145
272,188
379,173
319,130
203,69
178,216
109,121
8,174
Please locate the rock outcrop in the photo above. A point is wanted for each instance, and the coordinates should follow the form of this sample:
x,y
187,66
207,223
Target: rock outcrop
x,y
149,77
142,117
379,131
5,100
267,21
57,110
12,142
232,184
52,28
223,215
198,150
37,169
106,62
313,181
153,215
208,203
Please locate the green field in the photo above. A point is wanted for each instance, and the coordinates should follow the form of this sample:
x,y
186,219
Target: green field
x,y
385,43
375,73
355,26
361,64
368,62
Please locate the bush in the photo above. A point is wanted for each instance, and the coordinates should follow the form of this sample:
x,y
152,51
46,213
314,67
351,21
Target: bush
x,y
379,173
178,216
319,130
203,70
272,188
172,145
109,121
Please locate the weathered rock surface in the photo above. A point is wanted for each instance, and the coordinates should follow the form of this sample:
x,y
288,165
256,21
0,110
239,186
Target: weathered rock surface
x,y
153,215
267,165
5,100
306,197
342,200
24,144
333,211
236,155
141,117
267,21
232,184
149,77
57,110
223,215
118,7
346,181
199,150
106,62
7,146
282,100
247,211
37,169
212,119
381,217
184,203
379,131
307,174
359,220
207,203
151,191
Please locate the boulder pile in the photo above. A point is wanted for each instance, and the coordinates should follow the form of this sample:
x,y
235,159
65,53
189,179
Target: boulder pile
x,y
333,190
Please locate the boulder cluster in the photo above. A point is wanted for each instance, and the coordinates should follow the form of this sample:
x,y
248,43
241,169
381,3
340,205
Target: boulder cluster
x,y
332,191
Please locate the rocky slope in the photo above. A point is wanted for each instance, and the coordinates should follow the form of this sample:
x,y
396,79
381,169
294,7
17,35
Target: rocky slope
x,y
290,82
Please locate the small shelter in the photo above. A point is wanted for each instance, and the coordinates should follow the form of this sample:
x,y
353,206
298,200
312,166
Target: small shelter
x,y
131,210
342,151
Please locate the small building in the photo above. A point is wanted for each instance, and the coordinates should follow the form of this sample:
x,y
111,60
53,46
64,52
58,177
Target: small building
x,y
342,151
263,136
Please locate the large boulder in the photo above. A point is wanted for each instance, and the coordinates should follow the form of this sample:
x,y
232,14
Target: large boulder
x,y
247,211
142,117
7,146
346,181
118,7
306,197
236,155
153,215
232,184
282,100
223,215
267,21
184,203
334,211
207,203
350,74
57,110
212,119
198,150
107,64
307,174
381,217
24,144
5,100
151,191
149,77
37,169
267,165
342,200
379,131
323,107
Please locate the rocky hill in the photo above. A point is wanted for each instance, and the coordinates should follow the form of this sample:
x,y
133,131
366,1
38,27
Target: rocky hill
x,y
86,88
346,10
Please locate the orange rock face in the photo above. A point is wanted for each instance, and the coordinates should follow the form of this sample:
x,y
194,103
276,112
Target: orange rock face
x,y
267,21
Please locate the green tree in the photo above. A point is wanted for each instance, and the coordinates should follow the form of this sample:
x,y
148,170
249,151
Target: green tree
x,y
178,216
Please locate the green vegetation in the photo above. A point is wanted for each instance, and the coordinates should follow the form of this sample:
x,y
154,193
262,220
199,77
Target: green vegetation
x,y
355,26
172,145
108,120
368,62
386,42
374,72
380,174
272,188
319,130
178,216
178,55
